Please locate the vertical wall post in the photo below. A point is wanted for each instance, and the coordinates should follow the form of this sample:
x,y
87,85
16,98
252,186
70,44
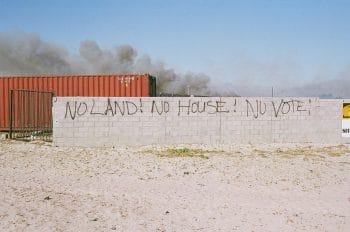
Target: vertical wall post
x,y
10,112
51,114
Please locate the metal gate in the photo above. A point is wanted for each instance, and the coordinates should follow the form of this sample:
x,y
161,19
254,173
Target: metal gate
x,y
30,115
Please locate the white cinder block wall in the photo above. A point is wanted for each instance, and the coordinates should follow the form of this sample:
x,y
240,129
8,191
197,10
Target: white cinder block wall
x,y
101,121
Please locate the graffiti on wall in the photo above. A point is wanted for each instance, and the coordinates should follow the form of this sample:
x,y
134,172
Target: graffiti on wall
x,y
280,107
246,107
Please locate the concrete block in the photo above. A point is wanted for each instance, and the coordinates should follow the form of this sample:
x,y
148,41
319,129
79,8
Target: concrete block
x,y
244,121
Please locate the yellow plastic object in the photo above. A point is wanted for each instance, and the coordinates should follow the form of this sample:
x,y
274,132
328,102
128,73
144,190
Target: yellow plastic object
x,y
346,110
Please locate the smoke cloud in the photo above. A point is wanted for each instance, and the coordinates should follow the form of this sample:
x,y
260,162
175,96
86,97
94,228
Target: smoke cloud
x,y
27,54
337,87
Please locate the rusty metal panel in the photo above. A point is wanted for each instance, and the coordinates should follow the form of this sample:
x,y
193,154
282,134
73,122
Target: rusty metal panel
x,y
111,85
30,114
4,102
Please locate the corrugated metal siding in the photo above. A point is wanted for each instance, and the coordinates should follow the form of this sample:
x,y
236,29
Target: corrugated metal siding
x,y
114,85
31,110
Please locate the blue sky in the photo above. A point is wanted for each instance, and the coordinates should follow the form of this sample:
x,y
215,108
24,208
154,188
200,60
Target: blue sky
x,y
262,41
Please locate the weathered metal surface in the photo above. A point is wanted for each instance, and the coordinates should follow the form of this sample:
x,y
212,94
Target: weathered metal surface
x,y
112,85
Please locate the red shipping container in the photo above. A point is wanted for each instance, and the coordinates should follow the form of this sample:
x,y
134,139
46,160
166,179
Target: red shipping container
x,y
109,85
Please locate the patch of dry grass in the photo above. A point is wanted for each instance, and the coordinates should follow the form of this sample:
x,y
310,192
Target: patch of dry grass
x,y
184,152
181,152
261,153
306,151
334,151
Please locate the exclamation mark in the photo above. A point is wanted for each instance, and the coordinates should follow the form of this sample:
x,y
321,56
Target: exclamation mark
x,y
309,106
141,106
235,105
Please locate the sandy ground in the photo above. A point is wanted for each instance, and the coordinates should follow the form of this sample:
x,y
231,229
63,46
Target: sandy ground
x,y
284,187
